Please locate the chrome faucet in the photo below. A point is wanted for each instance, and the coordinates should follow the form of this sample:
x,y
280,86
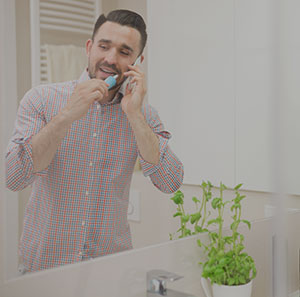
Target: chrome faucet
x,y
156,284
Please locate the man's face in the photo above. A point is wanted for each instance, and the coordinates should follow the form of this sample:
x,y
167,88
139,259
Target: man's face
x,y
113,49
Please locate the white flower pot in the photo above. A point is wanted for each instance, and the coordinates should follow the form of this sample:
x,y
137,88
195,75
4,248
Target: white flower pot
x,y
226,291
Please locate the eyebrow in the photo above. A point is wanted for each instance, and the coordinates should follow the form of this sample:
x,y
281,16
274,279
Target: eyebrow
x,y
125,46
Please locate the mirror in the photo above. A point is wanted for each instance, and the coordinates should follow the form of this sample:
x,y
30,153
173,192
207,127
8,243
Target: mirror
x,y
224,65
145,195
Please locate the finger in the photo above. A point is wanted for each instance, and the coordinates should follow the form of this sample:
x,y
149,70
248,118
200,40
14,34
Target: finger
x,y
96,84
133,75
128,89
130,73
103,84
103,90
106,90
95,96
136,80
100,92
136,68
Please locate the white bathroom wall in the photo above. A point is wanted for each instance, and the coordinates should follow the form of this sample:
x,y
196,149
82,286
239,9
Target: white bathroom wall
x,y
191,81
291,92
254,79
211,74
23,46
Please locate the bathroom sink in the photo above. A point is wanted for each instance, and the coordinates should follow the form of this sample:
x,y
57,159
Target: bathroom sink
x,y
170,293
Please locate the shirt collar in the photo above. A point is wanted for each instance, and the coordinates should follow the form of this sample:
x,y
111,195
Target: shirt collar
x,y
119,95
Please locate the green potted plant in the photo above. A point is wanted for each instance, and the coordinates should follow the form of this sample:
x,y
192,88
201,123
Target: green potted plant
x,y
229,269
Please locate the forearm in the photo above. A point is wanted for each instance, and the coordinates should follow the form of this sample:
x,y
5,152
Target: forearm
x,y
46,142
146,139
168,175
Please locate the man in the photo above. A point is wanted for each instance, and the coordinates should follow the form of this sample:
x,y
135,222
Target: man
x,y
77,143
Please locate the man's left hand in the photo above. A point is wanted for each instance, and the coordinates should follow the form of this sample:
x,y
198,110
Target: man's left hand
x,y
133,98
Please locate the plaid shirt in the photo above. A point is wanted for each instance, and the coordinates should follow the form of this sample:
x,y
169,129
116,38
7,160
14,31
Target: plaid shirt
x,y
78,205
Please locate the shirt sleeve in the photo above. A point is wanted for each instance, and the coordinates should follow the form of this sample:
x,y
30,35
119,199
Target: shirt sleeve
x,y
167,176
18,160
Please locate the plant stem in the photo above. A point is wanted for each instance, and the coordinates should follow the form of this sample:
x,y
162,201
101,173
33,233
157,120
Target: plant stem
x,y
183,224
220,245
203,204
233,233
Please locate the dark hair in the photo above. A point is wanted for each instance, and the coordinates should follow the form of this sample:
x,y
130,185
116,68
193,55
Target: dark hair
x,y
125,18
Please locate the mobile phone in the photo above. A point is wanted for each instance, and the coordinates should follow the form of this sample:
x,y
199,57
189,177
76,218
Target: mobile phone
x,y
137,61
128,79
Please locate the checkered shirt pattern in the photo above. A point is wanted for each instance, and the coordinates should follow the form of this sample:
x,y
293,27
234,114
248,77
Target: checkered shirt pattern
x,y
78,205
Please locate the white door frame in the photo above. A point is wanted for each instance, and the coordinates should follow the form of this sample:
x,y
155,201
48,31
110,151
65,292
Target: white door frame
x,y
9,231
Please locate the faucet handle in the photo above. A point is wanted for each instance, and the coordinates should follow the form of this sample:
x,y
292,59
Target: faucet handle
x,y
156,280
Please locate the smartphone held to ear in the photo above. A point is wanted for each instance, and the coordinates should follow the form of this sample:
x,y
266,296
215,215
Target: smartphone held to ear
x,y
127,82
137,61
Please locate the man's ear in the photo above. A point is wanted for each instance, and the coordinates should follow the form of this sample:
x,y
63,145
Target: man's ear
x,y
142,58
88,46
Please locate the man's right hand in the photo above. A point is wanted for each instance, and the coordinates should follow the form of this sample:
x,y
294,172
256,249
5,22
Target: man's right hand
x,y
83,96
46,141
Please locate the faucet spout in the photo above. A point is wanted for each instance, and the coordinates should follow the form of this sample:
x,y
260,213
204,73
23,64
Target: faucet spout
x,y
156,284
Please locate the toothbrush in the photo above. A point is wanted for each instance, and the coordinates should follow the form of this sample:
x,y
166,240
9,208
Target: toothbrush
x,y
111,80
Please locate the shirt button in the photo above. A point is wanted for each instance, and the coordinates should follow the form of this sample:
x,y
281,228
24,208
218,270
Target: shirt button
x,y
98,106
83,223
95,134
80,253
86,193
91,163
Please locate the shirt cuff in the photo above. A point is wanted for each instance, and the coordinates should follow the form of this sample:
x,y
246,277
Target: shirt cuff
x,y
149,168
27,147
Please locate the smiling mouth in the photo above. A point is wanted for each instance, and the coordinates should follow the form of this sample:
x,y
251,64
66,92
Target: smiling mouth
x,y
108,71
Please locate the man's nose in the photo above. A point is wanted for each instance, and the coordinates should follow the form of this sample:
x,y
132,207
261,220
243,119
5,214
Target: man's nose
x,y
111,57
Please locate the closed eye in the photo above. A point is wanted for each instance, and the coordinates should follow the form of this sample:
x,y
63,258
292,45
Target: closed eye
x,y
126,53
103,46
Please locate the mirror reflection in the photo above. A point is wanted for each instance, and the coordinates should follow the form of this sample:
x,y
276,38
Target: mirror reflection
x,y
76,143
204,77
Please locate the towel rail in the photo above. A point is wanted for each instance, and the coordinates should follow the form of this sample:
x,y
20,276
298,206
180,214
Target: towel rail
x,y
67,23
75,16
65,29
66,15
68,8
86,1
66,4
43,65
